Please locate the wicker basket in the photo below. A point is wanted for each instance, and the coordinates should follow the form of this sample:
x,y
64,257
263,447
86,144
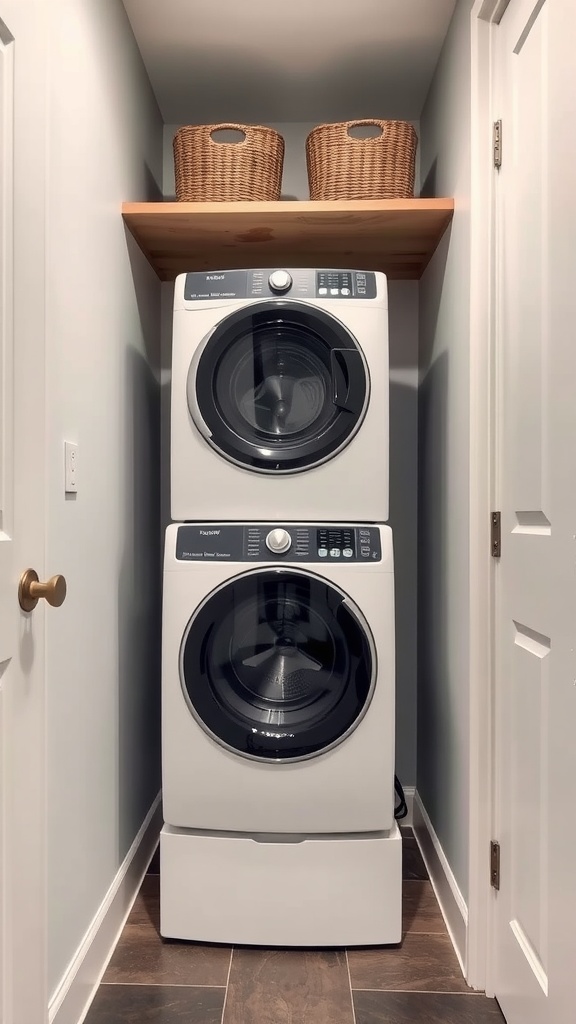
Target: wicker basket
x,y
343,167
211,171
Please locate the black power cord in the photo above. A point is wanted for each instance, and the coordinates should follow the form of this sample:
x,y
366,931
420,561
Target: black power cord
x,y
401,809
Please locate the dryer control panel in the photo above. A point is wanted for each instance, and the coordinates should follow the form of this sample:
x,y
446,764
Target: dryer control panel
x,y
280,281
277,542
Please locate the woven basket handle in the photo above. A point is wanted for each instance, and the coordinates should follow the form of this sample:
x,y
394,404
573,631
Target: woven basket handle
x,y
229,127
359,124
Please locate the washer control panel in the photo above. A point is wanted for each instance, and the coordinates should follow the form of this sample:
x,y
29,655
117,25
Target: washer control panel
x,y
275,542
280,281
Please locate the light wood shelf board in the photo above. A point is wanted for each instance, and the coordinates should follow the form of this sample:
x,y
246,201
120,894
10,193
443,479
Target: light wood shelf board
x,y
396,236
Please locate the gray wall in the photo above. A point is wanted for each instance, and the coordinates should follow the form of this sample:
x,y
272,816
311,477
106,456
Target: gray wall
x,y
403,300
103,392
403,443
444,413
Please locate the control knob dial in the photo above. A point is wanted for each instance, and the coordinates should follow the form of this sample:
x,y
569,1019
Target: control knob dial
x,y
279,541
280,281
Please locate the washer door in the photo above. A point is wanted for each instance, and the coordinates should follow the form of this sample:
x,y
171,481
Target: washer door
x,y
277,665
279,387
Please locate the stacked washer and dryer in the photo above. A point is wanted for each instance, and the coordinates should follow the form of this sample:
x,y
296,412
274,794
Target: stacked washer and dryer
x,y
278,619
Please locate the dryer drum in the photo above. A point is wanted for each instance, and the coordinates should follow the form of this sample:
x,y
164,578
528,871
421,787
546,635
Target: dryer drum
x,y
279,387
278,665
288,394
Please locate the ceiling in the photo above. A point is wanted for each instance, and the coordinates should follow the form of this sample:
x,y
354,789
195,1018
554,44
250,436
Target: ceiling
x,y
303,60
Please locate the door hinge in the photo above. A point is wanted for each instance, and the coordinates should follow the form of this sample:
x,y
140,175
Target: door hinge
x,y
497,143
495,865
495,534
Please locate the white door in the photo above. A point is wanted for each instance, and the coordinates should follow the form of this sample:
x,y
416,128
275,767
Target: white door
x,y
22,379
535,582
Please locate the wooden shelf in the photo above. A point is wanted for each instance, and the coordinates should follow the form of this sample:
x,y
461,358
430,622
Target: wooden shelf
x,y
397,236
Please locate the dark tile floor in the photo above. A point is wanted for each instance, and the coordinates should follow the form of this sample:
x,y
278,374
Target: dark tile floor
x,y
149,981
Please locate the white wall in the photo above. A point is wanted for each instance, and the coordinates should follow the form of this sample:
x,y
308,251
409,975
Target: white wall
x,y
444,469
403,296
103,302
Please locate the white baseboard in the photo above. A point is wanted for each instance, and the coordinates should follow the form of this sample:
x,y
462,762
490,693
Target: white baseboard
x,y
451,900
72,998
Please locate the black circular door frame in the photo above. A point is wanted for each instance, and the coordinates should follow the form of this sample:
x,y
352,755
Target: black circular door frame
x,y
278,665
278,387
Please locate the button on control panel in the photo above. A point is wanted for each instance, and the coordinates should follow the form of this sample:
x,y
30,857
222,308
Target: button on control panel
x,y
345,284
278,282
278,543
336,541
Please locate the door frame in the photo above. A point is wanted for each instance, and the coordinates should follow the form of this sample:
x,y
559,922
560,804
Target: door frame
x,y
485,16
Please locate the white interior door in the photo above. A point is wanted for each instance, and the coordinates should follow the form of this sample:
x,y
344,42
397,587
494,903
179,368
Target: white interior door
x,y
7,603
22,803
535,582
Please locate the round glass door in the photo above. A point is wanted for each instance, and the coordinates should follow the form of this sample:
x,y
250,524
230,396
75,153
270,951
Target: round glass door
x,y
280,387
277,665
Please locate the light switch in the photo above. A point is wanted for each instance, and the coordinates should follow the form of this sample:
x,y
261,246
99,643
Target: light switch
x,y
70,467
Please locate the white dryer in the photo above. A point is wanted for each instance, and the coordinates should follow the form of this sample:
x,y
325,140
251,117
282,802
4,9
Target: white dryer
x,y
278,734
280,396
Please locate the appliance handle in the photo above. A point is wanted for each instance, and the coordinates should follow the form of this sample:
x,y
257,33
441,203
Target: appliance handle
x,y
344,362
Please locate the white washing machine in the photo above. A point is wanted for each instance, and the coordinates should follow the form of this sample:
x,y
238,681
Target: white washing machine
x,y
278,735
280,396
278,677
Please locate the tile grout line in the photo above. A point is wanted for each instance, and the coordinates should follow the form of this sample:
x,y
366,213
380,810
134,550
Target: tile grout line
x,y
421,992
157,984
227,985
436,935
350,987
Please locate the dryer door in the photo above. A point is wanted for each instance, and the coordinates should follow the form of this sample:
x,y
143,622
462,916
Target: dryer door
x,y
279,387
278,665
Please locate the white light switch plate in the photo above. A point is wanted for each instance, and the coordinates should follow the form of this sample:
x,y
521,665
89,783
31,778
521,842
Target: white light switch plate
x,y
70,467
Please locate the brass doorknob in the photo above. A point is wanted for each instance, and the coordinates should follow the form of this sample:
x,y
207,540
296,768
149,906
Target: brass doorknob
x,y
30,590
